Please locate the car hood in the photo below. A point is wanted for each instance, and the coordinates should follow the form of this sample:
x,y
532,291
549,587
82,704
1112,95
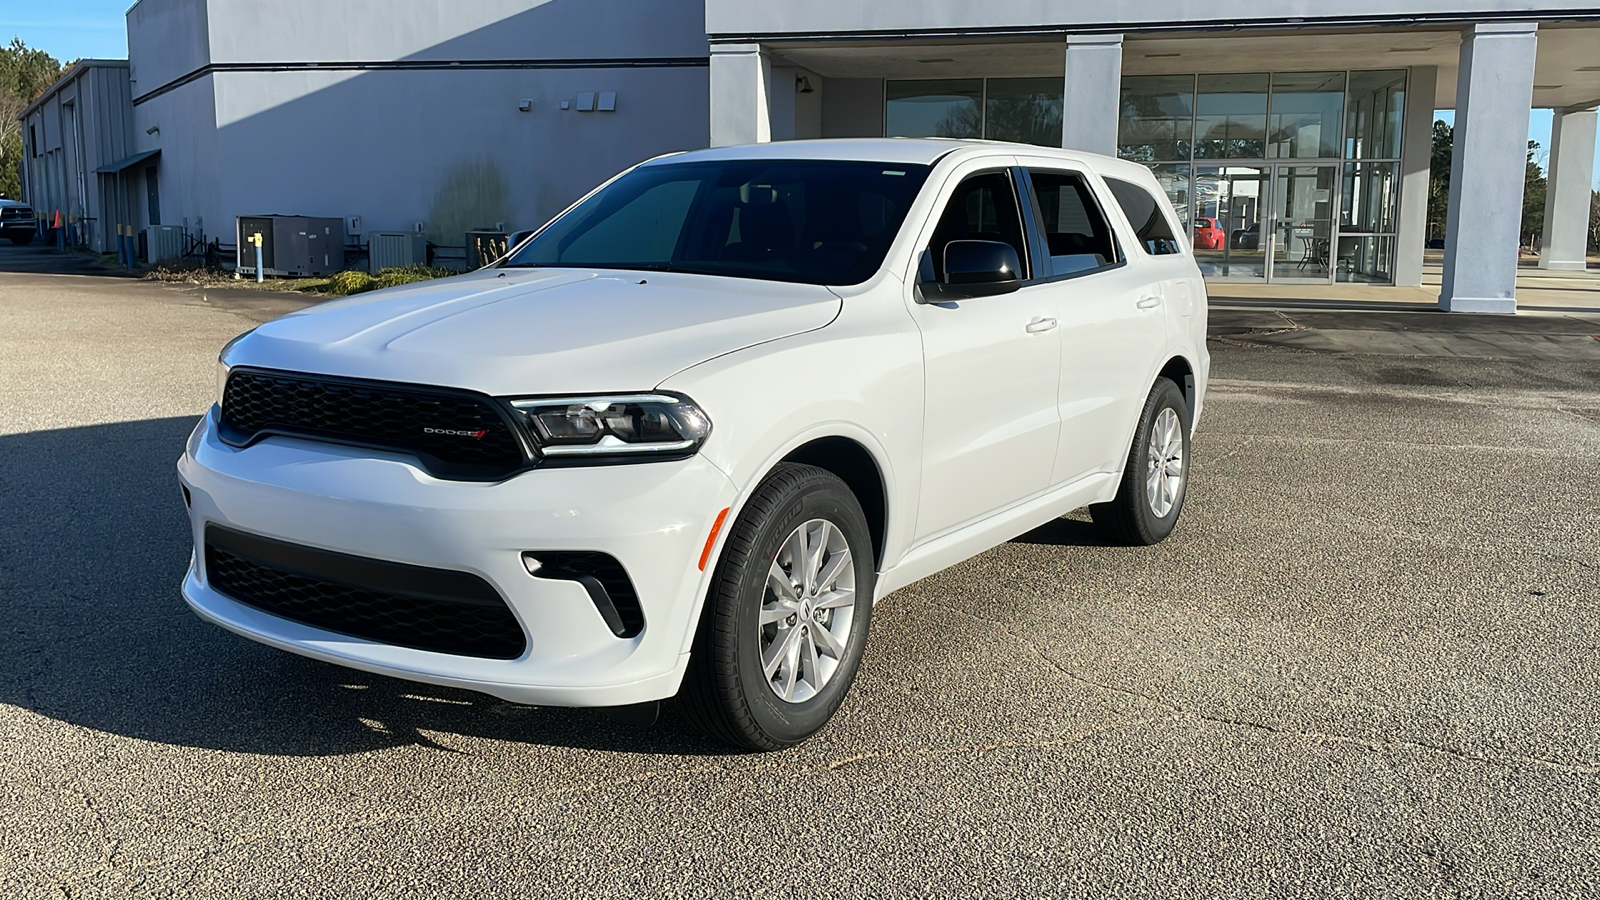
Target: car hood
x,y
537,331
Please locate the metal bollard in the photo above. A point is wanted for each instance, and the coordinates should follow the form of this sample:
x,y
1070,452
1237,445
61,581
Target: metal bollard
x,y
260,275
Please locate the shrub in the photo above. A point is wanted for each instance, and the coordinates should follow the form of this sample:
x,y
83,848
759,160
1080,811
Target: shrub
x,y
409,275
350,281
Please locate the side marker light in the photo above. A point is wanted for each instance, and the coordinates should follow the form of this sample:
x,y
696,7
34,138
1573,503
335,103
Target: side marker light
x,y
711,539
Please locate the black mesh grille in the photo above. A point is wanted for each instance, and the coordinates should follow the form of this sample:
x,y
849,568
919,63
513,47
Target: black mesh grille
x,y
469,436
450,612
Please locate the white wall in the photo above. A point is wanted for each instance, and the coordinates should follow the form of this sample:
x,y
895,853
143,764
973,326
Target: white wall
x,y
166,40
384,127
397,147
748,18
365,30
190,165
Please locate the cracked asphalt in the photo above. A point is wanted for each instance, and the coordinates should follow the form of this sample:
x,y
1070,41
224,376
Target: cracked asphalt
x,y
1365,665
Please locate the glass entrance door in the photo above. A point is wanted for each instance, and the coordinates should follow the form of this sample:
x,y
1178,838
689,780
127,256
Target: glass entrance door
x,y
1231,222
1303,203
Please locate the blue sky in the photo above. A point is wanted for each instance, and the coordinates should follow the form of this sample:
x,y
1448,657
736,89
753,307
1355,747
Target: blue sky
x,y
69,29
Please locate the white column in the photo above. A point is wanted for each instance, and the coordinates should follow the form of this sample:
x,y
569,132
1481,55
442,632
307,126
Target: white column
x,y
1494,93
1416,152
1566,202
741,84
1090,109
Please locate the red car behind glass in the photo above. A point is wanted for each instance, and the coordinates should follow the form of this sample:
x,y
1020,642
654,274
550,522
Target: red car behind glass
x,y
1207,236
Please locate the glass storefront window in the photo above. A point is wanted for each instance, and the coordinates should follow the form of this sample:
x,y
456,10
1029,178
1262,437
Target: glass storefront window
x,y
1375,113
1157,117
947,108
1230,216
1366,259
1025,110
1174,179
1307,114
1371,192
1231,117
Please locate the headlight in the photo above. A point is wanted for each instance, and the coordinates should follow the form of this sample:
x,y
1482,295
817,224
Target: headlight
x,y
633,425
222,364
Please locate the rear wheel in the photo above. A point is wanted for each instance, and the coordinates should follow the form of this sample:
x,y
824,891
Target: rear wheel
x,y
1155,479
785,622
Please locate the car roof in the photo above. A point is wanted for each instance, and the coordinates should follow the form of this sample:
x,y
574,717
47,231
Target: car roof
x,y
6,201
925,151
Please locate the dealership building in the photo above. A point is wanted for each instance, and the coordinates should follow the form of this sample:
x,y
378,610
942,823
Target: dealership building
x,y
1293,138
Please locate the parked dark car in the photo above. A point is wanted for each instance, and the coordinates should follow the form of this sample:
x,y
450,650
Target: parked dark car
x,y
16,222
1247,238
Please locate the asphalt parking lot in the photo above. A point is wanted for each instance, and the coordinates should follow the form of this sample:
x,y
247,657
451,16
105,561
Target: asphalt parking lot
x,y
1367,664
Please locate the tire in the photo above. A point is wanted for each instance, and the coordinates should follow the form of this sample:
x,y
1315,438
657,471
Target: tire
x,y
1147,505
22,240
727,691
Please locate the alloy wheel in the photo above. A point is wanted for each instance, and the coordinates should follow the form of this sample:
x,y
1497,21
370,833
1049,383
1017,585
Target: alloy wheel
x,y
1163,483
807,609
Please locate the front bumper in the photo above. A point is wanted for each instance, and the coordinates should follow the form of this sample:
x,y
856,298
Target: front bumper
x,y
653,517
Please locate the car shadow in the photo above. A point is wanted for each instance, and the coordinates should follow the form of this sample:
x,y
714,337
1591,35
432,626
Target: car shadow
x,y
1075,531
94,543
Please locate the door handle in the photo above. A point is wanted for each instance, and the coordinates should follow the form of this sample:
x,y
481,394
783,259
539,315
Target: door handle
x,y
1149,302
1038,326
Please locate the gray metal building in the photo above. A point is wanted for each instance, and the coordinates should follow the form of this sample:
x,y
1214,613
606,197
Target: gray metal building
x,y
77,153
396,116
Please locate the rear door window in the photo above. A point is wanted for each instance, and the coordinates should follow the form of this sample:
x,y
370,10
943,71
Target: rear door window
x,y
1071,223
1144,213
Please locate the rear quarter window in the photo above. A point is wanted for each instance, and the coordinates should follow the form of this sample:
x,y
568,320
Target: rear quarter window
x,y
1150,223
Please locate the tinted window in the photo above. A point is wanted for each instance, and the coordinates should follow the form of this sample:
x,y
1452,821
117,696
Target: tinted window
x,y
814,221
1073,226
983,208
1144,214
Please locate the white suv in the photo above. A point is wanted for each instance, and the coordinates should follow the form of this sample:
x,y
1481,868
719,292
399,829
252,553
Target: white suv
x,y
685,435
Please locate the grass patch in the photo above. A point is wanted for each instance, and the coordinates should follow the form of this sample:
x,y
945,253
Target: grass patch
x,y
339,284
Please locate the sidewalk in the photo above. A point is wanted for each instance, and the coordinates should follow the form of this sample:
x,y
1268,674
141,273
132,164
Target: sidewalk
x,y
1406,330
1538,291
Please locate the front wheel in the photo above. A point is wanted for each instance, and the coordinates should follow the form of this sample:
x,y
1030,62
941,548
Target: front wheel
x,y
22,240
1156,477
785,621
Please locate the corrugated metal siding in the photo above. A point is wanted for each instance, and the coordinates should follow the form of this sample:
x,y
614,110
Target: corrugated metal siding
x,y
64,177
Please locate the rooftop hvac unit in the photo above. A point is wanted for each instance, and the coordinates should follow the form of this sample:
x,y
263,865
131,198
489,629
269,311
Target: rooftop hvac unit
x,y
291,246
395,249
166,242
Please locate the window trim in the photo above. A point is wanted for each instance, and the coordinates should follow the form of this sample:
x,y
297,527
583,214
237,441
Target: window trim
x,y
1036,221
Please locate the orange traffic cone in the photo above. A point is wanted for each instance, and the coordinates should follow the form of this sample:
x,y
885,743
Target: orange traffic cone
x,y
58,219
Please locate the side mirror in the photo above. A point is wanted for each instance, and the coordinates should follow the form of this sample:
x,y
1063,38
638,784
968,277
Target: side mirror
x,y
516,238
981,262
975,269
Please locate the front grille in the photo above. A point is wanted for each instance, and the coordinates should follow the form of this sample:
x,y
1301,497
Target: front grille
x,y
391,603
454,434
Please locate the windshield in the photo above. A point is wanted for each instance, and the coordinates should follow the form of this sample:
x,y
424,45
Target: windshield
x,y
813,221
